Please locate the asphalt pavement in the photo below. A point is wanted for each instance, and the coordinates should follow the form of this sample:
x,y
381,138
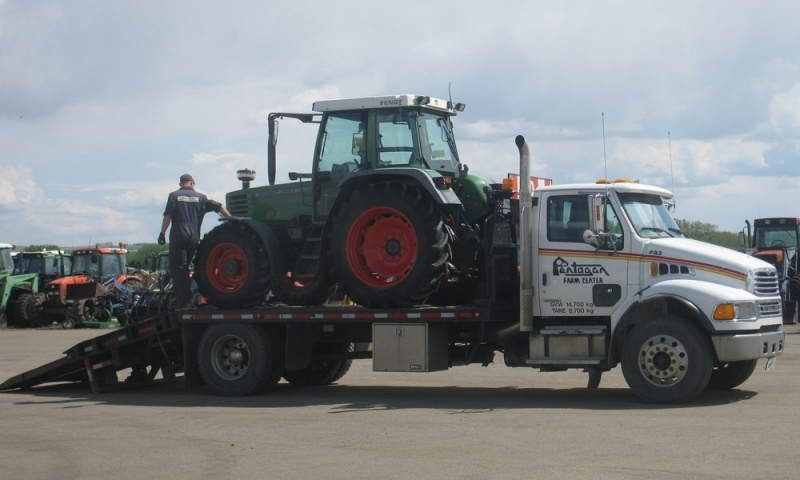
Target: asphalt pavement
x,y
467,423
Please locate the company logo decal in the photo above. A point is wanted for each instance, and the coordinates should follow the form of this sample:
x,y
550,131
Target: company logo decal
x,y
579,272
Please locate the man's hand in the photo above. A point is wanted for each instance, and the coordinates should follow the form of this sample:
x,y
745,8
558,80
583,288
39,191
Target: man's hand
x,y
162,239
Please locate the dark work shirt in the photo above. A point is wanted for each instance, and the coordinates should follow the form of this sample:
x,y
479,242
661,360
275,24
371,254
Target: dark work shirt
x,y
186,208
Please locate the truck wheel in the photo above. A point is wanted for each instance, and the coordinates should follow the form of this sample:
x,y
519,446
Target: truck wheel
x,y
666,360
731,375
232,267
238,359
388,248
322,372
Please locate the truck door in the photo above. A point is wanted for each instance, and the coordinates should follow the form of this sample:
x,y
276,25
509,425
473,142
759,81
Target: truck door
x,y
575,278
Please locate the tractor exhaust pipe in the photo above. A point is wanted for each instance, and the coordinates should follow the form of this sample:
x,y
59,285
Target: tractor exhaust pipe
x,y
525,232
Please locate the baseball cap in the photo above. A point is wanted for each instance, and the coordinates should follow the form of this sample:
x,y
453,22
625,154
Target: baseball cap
x,y
186,178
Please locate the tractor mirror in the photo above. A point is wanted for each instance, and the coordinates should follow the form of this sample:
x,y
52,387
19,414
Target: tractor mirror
x,y
358,144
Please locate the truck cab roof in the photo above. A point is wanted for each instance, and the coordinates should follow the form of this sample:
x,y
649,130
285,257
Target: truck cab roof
x,y
620,187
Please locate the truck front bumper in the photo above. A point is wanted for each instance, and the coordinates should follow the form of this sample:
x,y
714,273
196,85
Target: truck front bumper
x,y
751,346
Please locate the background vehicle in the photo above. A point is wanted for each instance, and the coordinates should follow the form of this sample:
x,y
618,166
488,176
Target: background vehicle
x,y
775,240
6,267
22,291
77,293
6,262
387,211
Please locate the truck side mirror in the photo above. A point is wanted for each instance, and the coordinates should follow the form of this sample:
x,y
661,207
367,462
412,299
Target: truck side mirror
x,y
597,212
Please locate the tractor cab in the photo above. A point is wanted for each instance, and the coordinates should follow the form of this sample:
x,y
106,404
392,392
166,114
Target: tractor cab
x,y
6,261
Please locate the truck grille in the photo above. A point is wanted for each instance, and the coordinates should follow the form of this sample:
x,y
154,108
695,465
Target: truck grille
x,y
765,283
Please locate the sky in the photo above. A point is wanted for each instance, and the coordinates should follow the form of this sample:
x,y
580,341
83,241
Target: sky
x,y
103,105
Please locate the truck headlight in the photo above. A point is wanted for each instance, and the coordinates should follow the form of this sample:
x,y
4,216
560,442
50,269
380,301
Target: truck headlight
x,y
735,311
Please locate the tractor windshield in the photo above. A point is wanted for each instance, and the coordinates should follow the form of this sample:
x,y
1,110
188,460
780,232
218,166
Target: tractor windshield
x,y
776,236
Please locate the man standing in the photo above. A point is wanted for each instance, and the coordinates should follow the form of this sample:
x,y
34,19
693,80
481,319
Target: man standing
x,y
185,210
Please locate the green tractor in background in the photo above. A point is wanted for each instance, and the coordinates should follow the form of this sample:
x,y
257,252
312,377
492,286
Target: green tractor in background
x,y
387,212
21,292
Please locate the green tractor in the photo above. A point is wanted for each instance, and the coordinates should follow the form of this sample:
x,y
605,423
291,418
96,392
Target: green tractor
x,y
21,292
387,212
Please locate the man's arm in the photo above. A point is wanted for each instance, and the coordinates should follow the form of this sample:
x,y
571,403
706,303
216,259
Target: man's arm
x,y
224,211
165,223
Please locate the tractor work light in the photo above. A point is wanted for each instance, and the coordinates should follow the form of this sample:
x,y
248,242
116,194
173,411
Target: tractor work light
x,y
423,100
246,176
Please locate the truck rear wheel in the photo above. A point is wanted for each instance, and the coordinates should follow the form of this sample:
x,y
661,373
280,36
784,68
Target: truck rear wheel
x,y
232,267
666,360
322,372
238,359
388,248
731,375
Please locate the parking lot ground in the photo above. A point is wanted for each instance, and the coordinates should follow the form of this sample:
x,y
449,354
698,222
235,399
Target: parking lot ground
x,y
468,423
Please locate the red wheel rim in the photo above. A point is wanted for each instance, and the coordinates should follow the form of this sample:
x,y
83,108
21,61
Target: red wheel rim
x,y
227,267
382,247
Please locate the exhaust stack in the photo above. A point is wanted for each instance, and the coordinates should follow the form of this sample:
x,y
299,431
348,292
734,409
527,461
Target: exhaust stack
x,y
525,232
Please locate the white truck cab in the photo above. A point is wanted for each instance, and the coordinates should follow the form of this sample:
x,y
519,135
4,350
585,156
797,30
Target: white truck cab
x,y
613,266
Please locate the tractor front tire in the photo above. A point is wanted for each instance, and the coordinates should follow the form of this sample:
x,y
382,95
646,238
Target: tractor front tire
x,y
388,247
232,267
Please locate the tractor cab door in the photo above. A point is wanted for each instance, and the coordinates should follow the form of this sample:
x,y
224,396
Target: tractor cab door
x,y
341,150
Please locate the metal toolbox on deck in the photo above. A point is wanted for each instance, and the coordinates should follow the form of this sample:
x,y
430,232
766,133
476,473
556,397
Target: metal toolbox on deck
x,y
409,347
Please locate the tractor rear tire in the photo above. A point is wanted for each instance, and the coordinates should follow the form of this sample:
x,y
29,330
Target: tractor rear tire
x,y
388,247
232,267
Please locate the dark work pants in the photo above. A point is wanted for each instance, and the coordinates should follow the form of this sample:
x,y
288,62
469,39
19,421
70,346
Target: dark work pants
x,y
181,253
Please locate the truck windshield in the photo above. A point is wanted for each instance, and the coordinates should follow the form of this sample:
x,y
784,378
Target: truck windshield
x,y
776,236
649,216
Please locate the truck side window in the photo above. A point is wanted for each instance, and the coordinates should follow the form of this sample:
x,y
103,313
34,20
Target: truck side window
x,y
567,218
615,239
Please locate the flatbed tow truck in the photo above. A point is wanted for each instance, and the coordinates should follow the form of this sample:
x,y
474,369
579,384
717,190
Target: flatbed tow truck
x,y
586,276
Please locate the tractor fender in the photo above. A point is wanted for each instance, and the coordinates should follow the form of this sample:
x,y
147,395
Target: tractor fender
x,y
411,175
268,238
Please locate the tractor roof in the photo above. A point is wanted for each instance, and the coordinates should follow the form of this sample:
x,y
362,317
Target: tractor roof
x,y
385,101
99,250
